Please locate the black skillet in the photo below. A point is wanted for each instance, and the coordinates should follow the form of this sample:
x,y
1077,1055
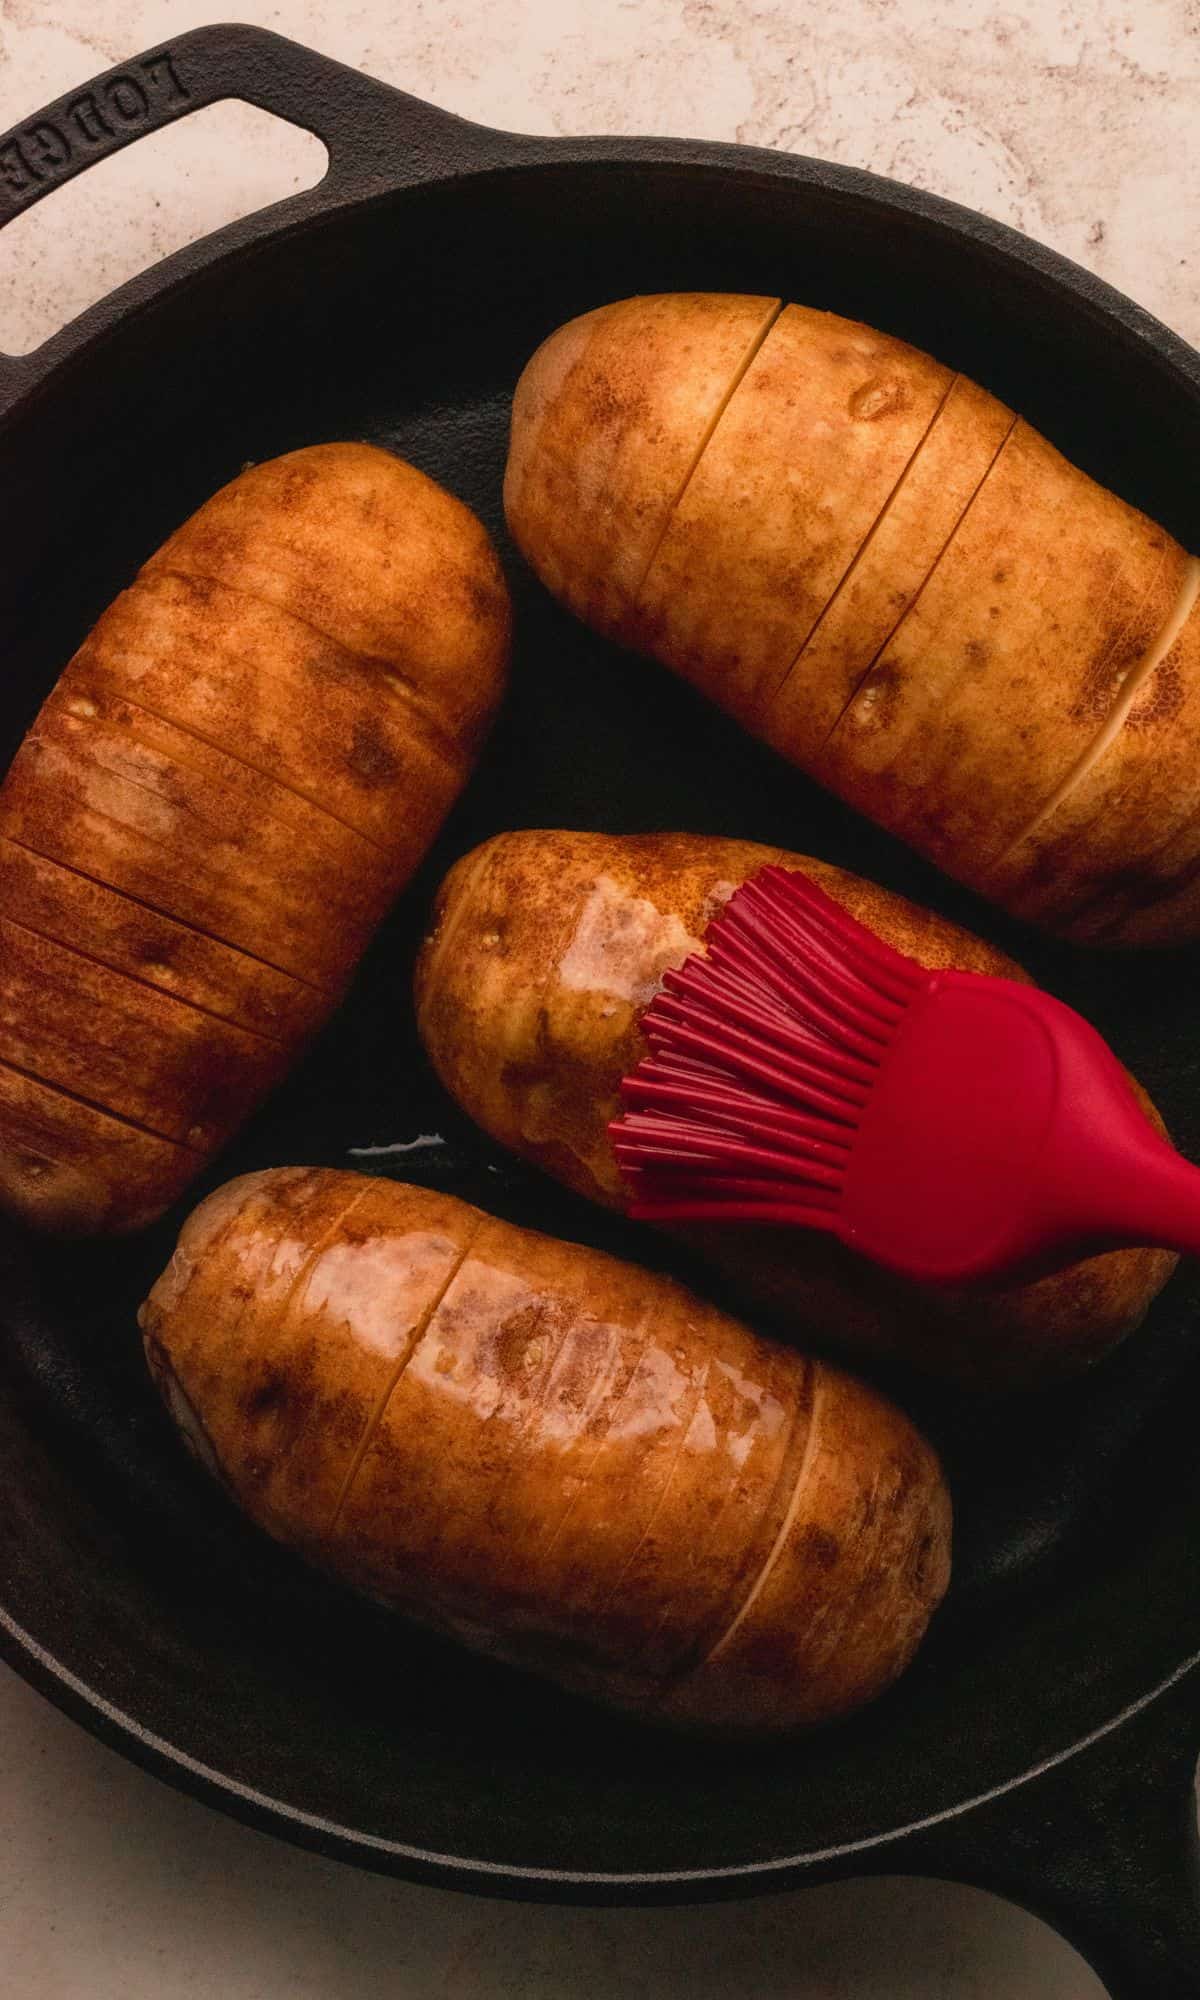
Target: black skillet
x,y
1044,1746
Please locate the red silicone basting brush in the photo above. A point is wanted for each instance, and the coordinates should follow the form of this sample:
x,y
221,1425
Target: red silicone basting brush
x,y
952,1127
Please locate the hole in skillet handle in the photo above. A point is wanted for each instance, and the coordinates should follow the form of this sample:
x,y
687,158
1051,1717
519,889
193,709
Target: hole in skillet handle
x,y
186,180
377,140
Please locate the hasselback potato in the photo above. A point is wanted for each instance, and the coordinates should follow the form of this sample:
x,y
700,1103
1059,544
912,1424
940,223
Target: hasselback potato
x,y
563,1460
882,572
231,780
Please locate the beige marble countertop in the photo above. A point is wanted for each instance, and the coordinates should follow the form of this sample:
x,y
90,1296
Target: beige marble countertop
x,y
1073,121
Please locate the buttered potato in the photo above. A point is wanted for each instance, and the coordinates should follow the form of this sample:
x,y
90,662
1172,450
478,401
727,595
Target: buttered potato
x,y
544,951
555,1457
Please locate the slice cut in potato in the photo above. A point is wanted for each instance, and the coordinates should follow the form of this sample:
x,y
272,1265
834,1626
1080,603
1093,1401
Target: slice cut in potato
x,y
192,1073
1047,597
65,1164
68,908
96,775
798,716
249,679
1119,848
808,452
904,590
609,420
372,554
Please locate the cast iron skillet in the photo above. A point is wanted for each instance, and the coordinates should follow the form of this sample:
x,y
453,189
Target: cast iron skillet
x,y
1044,1746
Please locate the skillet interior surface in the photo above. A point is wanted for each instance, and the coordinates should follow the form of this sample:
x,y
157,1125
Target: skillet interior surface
x,y
407,322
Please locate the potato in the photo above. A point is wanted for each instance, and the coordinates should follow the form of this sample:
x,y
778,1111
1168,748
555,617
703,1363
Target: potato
x,y
904,589
558,1458
647,381
231,780
545,950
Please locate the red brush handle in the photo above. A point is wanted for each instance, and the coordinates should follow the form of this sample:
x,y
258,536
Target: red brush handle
x,y
1003,1138
1156,1205
1107,1176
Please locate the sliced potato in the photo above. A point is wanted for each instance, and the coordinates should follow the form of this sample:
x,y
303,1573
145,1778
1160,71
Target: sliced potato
x,y
283,698
100,787
231,780
901,589
561,1459
192,1074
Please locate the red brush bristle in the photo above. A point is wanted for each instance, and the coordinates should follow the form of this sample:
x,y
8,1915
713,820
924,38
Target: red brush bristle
x,y
954,1127
763,1056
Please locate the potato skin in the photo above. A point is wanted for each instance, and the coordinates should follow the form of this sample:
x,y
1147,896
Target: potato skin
x,y
645,380
233,777
878,569
544,951
566,1462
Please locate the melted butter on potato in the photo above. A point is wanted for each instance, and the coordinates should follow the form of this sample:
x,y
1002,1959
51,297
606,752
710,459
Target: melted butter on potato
x,y
622,945
559,1458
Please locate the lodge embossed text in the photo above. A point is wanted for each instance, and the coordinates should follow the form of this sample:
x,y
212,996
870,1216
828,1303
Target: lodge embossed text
x,y
93,121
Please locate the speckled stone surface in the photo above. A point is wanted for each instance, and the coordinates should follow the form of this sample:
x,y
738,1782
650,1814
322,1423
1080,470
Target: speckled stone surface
x,y
1072,119
1074,122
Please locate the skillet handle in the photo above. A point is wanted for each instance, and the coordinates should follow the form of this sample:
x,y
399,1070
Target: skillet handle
x,y
378,138
1103,1846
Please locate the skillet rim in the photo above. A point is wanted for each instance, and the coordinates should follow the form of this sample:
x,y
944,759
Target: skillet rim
x,y
142,1746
